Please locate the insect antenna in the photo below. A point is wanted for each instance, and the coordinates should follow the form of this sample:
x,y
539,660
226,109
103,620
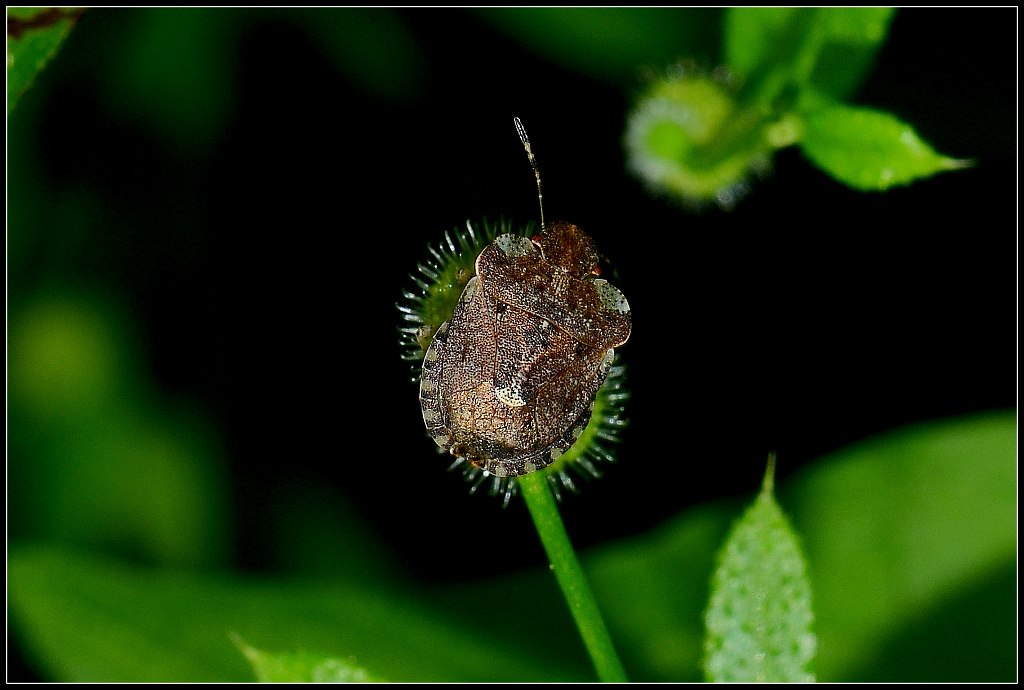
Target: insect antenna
x,y
533,163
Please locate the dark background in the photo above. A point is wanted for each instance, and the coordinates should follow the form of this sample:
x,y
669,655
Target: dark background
x,y
260,237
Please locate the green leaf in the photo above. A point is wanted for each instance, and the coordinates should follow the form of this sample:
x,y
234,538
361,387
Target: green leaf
x,y
33,36
302,667
852,37
898,531
910,537
901,527
828,49
759,618
85,619
870,150
754,35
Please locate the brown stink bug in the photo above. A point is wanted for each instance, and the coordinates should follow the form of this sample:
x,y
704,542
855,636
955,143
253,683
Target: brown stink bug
x,y
509,381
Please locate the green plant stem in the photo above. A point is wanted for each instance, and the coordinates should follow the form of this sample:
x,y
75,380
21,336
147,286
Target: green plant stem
x,y
569,574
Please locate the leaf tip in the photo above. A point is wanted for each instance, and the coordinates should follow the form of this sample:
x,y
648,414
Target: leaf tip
x,y
248,652
768,484
958,163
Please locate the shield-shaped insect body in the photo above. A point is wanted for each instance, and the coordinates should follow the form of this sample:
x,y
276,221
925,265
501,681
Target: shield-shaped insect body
x,y
509,381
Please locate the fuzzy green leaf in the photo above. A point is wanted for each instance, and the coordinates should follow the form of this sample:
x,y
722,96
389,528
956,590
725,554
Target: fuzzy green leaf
x,y
759,619
302,667
870,150
33,36
687,138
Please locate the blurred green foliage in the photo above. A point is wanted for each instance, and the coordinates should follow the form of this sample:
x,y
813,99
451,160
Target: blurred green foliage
x,y
100,459
33,36
785,76
614,44
831,49
896,530
119,498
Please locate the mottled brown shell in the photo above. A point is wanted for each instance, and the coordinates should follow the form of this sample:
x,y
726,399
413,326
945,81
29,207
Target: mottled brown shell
x,y
509,380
